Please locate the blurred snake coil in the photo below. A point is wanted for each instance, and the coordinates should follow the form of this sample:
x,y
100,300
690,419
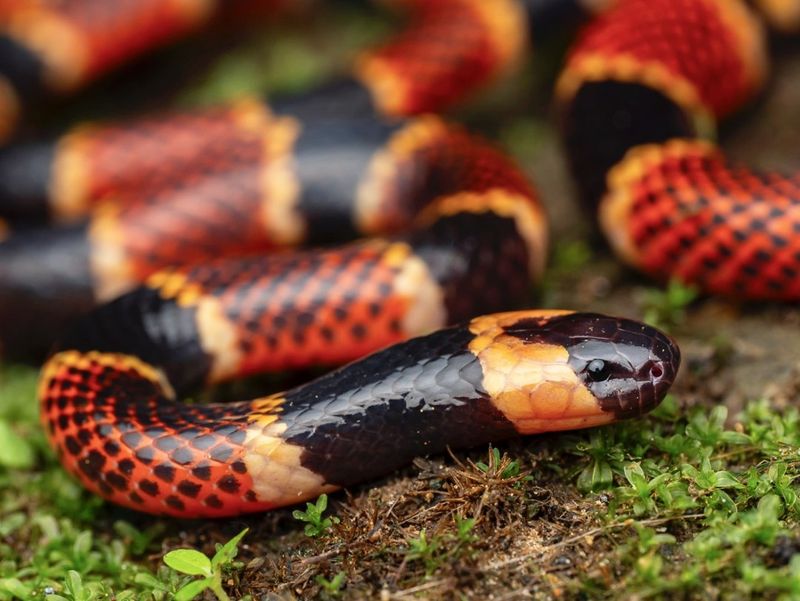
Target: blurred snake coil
x,y
177,225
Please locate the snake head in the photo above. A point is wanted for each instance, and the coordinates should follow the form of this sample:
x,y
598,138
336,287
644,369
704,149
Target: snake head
x,y
628,366
555,370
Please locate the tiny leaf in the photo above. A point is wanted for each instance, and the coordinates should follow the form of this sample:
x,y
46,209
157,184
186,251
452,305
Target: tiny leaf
x,y
191,590
15,451
14,587
150,581
228,551
74,584
188,561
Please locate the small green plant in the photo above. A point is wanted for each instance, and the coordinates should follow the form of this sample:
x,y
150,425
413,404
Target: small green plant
x,y
19,432
195,563
75,588
648,566
436,550
606,457
667,308
316,525
15,451
464,527
501,466
15,588
422,549
138,541
332,587
640,489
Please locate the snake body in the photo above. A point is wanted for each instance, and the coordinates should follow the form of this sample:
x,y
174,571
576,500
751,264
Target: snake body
x,y
182,189
475,236
109,406
636,103
49,49
176,213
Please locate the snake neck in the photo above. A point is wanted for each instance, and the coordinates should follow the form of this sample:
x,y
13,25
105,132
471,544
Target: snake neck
x,y
393,406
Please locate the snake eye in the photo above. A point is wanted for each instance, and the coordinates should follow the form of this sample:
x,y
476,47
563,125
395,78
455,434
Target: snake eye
x,y
598,370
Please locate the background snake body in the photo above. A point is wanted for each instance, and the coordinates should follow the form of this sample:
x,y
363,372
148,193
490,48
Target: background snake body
x,y
148,209
636,102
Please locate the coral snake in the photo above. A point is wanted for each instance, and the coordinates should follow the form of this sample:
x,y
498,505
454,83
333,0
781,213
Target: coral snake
x,y
172,217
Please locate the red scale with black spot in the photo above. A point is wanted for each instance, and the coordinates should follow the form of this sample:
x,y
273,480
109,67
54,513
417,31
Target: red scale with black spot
x,y
117,432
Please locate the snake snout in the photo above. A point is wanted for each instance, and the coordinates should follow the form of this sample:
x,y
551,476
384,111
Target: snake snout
x,y
626,365
642,363
663,368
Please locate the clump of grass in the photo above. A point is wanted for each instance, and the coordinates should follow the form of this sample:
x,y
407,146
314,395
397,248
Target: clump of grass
x,y
502,467
333,587
721,497
434,552
316,525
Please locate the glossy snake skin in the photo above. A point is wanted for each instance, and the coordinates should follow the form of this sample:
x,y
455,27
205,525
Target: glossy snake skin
x,y
109,406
